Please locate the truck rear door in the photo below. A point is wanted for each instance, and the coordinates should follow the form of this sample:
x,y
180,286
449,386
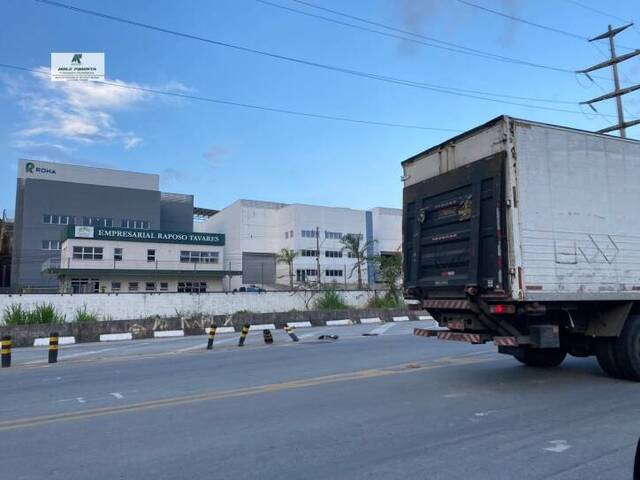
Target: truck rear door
x,y
452,235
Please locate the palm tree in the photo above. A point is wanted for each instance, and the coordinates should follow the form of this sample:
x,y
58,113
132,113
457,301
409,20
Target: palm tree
x,y
287,256
352,244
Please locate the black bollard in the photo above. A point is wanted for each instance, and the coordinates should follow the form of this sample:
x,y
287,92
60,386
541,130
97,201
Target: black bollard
x,y
289,331
268,338
6,351
243,334
53,347
212,334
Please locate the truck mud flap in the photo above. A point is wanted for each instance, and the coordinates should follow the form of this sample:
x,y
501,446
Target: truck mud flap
x,y
475,338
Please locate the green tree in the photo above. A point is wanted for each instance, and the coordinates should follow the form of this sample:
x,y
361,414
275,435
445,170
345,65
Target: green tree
x,y
287,256
389,272
356,249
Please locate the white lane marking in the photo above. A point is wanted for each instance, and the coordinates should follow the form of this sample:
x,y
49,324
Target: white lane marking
x,y
299,324
81,400
335,323
92,352
168,333
44,341
118,395
221,330
112,337
454,395
380,330
559,446
263,326
484,414
370,320
400,319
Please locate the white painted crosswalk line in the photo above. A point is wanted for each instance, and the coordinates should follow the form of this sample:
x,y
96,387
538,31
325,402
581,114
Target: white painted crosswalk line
x,y
383,328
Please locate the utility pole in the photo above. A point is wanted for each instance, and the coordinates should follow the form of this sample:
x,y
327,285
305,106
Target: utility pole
x,y
318,257
617,92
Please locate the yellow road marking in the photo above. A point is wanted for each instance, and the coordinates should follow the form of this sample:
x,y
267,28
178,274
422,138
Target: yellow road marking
x,y
238,392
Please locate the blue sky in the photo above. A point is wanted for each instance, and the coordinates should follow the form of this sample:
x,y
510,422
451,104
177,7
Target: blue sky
x,y
222,153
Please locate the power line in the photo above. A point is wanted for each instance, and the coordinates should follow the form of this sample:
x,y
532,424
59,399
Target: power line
x,y
399,81
528,22
448,46
601,12
251,106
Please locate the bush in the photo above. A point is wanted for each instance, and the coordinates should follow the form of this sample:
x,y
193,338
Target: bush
x,y
84,315
387,301
330,300
14,315
45,313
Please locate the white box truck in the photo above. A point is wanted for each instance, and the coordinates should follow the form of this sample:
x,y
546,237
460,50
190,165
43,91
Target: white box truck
x,y
528,235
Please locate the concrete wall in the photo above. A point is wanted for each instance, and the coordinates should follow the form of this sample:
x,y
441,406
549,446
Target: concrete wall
x,y
141,305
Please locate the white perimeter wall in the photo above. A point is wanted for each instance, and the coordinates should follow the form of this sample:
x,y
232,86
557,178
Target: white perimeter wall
x,y
141,305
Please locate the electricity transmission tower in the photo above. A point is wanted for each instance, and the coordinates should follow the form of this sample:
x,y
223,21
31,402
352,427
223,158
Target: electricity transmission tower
x,y
617,92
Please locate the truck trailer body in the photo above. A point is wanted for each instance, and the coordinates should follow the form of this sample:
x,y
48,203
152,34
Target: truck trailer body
x,y
528,235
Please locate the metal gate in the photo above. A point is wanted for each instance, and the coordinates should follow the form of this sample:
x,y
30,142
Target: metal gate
x,y
258,268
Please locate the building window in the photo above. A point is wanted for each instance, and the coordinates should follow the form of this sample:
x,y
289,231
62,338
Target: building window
x,y
291,234
151,256
308,253
52,219
303,274
87,253
187,256
350,255
164,286
51,244
97,222
136,224
333,254
356,235
150,286
116,286
309,233
332,235
117,254
192,287
85,285
133,286
333,273
286,234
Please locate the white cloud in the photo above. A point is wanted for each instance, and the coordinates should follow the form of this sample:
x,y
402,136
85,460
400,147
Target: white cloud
x,y
77,112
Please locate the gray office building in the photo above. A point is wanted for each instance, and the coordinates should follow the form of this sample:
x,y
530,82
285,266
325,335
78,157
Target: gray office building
x,y
50,196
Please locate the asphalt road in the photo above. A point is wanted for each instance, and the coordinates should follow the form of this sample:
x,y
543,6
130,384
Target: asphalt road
x,y
387,406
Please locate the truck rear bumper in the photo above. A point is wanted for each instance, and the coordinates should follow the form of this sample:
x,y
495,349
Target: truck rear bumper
x,y
473,338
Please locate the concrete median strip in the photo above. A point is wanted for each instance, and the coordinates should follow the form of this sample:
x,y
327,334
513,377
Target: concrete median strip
x,y
299,324
336,323
221,330
115,337
168,333
262,326
44,341
401,319
370,320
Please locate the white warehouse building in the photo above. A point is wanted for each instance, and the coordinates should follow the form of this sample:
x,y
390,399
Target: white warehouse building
x,y
256,231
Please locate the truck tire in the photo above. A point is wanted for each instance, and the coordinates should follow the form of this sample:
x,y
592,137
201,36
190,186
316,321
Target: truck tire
x,y
626,349
606,357
541,357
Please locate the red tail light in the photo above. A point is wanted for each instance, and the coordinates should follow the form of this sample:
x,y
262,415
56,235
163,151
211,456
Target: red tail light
x,y
502,309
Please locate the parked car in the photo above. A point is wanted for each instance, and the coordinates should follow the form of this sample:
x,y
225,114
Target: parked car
x,y
249,288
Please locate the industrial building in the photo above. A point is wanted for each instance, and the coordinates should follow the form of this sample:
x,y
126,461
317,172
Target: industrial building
x,y
51,196
115,260
257,231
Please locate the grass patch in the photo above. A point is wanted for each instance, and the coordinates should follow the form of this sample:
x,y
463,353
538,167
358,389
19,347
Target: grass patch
x,y
386,301
44,313
84,315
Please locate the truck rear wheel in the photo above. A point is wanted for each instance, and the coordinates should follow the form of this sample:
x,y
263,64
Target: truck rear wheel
x,y
626,349
606,357
541,357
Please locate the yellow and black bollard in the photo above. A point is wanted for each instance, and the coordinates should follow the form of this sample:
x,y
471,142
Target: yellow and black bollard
x,y
243,334
53,347
268,338
6,351
212,334
289,331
